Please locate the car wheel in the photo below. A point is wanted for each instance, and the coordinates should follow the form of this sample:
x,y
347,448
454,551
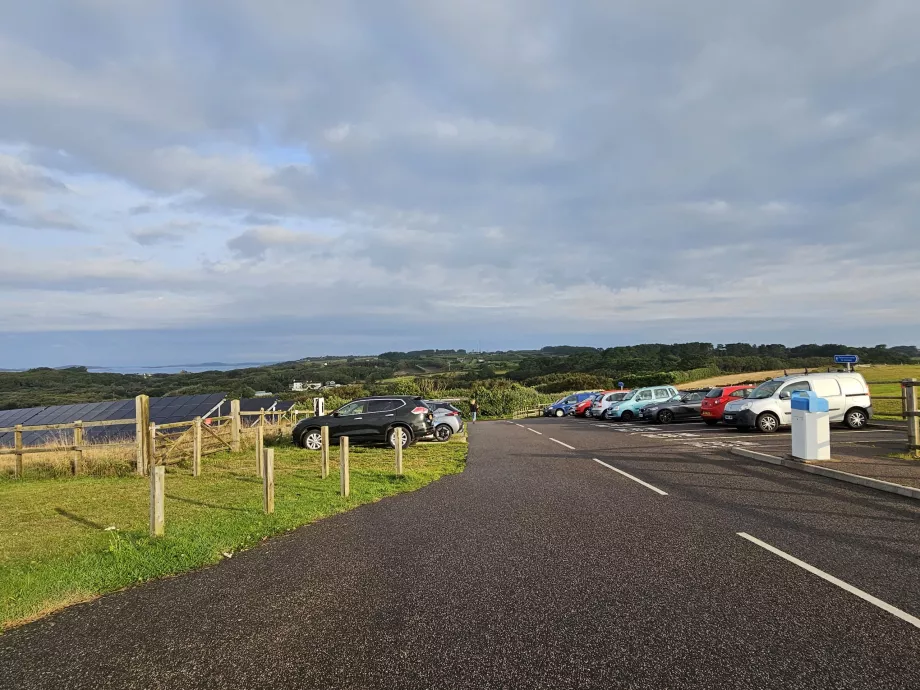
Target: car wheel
x,y
560,413
665,417
627,416
443,432
856,418
605,415
406,437
711,422
767,423
312,440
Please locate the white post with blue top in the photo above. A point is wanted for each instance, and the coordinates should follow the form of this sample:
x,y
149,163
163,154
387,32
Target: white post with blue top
x,y
811,428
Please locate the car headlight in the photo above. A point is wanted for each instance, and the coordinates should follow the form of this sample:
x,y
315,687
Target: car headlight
x,y
615,408
652,409
745,406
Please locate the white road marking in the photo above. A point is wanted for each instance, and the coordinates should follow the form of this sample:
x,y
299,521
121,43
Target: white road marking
x,y
629,476
534,430
561,443
835,581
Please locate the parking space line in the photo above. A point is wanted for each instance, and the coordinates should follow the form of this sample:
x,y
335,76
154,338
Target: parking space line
x,y
561,443
904,616
629,476
540,433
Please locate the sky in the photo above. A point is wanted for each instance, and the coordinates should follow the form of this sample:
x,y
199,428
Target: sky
x,y
263,180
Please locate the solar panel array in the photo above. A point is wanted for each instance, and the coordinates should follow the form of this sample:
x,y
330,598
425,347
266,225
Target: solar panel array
x,y
162,411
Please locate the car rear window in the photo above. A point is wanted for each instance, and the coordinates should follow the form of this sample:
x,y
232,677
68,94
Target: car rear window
x,y
715,393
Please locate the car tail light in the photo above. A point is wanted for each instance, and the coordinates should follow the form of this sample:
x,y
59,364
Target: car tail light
x,y
421,410
453,414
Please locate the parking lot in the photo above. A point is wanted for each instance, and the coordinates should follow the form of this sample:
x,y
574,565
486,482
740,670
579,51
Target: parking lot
x,y
874,439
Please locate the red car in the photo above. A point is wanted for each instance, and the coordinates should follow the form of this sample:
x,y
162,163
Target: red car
x,y
716,399
581,409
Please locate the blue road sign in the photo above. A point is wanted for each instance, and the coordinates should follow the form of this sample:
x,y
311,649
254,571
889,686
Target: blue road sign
x,y
621,385
846,359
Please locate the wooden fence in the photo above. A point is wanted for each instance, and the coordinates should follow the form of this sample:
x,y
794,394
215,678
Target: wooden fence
x,y
155,444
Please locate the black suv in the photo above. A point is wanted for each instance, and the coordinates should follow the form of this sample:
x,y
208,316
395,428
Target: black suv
x,y
369,421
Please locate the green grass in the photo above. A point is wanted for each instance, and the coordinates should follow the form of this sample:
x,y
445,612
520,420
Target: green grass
x,y
55,548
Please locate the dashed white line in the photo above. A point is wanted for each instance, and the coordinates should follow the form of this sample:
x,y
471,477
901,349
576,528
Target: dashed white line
x,y
539,433
561,443
629,476
894,611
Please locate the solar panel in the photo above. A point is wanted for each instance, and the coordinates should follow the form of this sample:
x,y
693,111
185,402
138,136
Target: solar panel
x,y
162,411
284,405
12,418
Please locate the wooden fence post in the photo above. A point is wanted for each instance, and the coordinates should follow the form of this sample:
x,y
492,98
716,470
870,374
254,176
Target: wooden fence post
x,y
235,426
324,453
260,446
78,448
141,423
196,451
913,415
17,435
344,470
262,417
157,503
399,450
151,447
268,480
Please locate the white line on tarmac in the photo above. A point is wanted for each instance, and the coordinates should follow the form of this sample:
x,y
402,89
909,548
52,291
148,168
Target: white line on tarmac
x,y
561,443
835,581
629,476
534,430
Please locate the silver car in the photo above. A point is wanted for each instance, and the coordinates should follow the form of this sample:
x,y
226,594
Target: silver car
x,y
448,420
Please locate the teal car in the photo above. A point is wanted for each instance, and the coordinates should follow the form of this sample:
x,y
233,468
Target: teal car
x,y
628,409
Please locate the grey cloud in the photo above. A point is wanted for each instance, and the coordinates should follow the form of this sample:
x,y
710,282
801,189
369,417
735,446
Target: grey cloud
x,y
510,155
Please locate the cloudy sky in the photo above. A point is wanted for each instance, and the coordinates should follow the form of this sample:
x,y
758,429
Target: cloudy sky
x,y
252,180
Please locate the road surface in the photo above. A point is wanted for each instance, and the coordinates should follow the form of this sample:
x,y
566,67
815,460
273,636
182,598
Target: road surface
x,y
567,555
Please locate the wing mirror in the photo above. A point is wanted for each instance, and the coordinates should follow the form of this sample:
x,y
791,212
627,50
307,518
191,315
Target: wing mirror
x,y
785,396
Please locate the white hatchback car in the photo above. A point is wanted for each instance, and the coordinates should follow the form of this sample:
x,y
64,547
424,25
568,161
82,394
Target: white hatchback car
x,y
601,407
769,406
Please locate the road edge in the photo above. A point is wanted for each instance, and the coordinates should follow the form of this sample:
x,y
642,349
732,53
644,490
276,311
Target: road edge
x,y
868,482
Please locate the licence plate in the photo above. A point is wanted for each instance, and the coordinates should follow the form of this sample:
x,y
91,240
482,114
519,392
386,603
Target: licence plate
x,y
706,414
728,417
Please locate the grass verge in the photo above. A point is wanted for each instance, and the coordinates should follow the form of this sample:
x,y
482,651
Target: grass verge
x,y
69,540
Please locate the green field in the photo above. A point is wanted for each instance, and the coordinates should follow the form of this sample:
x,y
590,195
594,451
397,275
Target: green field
x,y
69,540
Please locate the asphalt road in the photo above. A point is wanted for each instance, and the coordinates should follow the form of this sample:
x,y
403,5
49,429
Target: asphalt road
x,y
539,567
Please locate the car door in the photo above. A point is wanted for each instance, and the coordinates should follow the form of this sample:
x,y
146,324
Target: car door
x,y
829,389
643,398
377,418
690,406
350,420
785,399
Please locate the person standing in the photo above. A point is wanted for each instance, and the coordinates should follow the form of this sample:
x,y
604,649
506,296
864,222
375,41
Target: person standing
x,y
474,408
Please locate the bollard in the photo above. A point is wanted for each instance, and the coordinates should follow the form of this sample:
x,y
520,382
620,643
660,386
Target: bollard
x,y
157,504
268,480
324,453
344,469
398,436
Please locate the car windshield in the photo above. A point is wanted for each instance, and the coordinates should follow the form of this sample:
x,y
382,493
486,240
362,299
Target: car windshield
x,y
714,393
766,390
630,395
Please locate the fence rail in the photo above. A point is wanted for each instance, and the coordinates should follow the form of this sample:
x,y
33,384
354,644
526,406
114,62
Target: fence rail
x,y
155,444
532,412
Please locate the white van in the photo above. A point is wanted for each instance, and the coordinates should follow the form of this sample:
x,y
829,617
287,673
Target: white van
x,y
769,407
